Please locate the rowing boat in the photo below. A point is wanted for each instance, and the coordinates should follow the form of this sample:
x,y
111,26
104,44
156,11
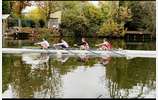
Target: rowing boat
x,y
114,53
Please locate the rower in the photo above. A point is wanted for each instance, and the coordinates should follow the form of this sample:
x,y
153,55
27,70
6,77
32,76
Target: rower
x,y
63,44
84,44
105,45
44,44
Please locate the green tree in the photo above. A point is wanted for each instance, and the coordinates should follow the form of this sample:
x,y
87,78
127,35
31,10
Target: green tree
x,y
73,22
6,7
93,16
143,15
150,16
114,19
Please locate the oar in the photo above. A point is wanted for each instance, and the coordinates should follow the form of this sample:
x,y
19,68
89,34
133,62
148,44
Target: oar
x,y
88,50
68,51
113,50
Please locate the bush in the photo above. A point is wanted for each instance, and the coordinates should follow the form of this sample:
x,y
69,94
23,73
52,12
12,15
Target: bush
x,y
46,33
40,32
110,27
12,22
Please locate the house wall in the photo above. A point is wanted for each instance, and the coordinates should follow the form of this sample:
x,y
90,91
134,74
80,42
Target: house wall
x,y
55,19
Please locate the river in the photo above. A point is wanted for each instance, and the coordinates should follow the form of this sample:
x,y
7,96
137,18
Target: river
x,y
35,75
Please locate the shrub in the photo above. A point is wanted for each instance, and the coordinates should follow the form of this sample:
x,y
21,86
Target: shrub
x,y
110,27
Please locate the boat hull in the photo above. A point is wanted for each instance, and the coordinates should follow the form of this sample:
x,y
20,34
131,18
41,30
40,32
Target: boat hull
x,y
115,53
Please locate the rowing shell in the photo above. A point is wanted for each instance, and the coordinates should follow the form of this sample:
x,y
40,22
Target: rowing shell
x,y
115,53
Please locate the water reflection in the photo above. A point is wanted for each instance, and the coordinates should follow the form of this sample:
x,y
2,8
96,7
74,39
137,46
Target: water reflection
x,y
61,58
35,59
42,75
47,76
42,81
105,60
132,75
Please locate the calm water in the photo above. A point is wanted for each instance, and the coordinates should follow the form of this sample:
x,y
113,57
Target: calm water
x,y
61,76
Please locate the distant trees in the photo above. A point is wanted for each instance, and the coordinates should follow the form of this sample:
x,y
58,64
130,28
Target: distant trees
x,y
143,15
73,22
114,20
83,18
17,7
6,8
94,18
86,19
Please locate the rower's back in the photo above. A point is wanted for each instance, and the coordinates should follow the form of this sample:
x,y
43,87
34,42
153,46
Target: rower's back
x,y
84,44
45,44
65,43
107,44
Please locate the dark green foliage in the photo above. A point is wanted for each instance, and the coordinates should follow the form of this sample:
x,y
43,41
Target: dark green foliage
x,y
42,23
137,15
143,16
6,7
12,22
73,22
32,24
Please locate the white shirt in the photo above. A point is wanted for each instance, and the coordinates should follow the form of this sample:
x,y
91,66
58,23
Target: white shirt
x,y
44,44
63,43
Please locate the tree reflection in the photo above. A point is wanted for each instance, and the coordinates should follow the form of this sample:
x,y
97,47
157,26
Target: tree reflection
x,y
44,79
124,75
37,83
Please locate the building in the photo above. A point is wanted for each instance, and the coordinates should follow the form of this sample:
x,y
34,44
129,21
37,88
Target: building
x,y
55,20
5,22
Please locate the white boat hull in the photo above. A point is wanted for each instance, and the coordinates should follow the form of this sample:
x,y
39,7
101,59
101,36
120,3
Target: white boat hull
x,y
115,53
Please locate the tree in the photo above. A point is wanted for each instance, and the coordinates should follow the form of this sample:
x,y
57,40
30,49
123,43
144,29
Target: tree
x,y
72,20
149,18
114,19
6,7
143,15
36,15
93,16
48,7
17,7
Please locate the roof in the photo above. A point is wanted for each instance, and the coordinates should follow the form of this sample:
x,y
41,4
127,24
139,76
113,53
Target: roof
x,y
5,16
137,32
56,14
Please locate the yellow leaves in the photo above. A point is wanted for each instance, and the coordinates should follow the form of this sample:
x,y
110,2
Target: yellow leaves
x,y
111,27
35,14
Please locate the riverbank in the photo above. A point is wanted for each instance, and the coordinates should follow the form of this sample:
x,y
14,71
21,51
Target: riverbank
x,y
40,33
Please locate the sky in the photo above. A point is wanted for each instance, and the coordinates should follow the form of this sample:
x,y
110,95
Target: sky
x,y
95,3
29,8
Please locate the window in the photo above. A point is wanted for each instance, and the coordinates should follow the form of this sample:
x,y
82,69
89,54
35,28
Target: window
x,y
53,22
